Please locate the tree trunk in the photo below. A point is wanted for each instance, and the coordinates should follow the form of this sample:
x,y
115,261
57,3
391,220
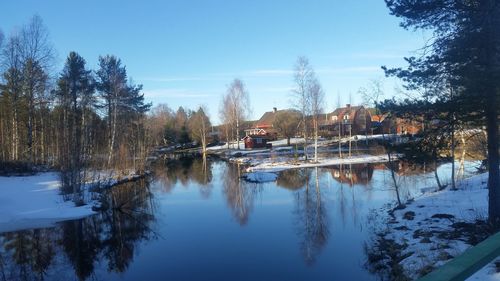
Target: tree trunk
x,y
238,132
113,134
315,141
493,160
30,132
340,137
305,138
453,183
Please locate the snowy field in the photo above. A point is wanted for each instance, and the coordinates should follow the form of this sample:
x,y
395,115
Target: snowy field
x,y
34,201
424,223
277,166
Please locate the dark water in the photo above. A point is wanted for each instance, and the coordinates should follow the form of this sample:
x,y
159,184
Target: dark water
x,y
196,220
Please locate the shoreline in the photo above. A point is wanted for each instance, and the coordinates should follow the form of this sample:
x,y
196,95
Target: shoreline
x,y
431,230
34,201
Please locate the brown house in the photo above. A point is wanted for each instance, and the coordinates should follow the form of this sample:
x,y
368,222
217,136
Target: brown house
x,y
354,120
382,124
264,126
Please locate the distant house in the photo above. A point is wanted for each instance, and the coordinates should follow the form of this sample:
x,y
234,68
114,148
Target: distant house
x,y
264,126
382,124
354,120
256,141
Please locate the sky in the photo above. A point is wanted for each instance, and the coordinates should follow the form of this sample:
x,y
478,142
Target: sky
x,y
187,52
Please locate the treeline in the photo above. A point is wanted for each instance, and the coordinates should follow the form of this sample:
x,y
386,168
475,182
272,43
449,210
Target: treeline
x,y
74,119
183,127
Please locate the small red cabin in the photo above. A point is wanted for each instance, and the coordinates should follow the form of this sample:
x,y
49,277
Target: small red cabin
x,y
256,141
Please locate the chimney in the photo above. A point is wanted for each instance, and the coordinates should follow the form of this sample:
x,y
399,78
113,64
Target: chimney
x,y
348,105
275,109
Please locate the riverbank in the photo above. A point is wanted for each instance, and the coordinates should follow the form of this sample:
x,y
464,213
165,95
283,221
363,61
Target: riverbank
x,y
271,165
35,201
430,230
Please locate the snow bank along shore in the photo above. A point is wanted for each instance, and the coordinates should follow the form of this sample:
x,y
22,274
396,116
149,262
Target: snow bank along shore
x,y
432,229
35,201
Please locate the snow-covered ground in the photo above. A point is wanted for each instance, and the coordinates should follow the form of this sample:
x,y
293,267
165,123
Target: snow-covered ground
x,y
270,165
429,229
487,273
34,201
260,177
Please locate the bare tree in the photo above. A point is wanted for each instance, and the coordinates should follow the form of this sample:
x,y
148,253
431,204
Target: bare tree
x,y
317,97
372,95
37,56
199,125
339,121
236,106
225,118
286,123
303,75
11,65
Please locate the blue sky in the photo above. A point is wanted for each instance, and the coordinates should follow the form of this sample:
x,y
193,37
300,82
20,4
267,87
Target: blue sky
x,y
185,53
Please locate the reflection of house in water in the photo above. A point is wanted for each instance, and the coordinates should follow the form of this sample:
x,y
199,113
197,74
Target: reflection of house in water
x,y
352,174
406,168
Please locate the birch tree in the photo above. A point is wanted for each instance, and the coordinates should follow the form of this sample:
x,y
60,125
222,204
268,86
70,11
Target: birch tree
x,y
111,83
236,106
317,99
37,57
199,126
303,77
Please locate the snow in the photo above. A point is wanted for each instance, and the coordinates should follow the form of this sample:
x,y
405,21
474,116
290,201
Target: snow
x,y
487,273
34,201
467,204
260,177
276,166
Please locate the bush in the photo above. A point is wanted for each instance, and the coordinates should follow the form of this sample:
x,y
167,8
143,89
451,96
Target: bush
x,y
15,168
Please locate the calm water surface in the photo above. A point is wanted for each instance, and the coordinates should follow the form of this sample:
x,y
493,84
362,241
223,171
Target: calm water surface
x,y
196,220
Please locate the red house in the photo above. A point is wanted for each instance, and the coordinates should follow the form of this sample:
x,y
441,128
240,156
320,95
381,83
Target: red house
x,y
256,141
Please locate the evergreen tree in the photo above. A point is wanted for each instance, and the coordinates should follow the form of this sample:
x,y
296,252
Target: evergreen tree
x,y
462,61
75,89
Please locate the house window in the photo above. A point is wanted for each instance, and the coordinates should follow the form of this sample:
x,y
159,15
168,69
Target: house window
x,y
346,117
334,118
258,140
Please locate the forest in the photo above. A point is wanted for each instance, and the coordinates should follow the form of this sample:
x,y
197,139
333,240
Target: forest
x,y
76,119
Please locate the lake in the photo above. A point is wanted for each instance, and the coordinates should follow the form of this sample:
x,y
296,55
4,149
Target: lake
x,y
196,219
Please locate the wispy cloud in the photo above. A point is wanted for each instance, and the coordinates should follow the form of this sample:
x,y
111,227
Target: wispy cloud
x,y
221,75
269,72
178,78
274,89
259,73
349,69
175,93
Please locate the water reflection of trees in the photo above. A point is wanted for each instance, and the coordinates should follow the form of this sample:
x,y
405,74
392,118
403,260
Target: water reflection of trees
x,y
111,236
185,170
294,179
240,194
311,219
26,254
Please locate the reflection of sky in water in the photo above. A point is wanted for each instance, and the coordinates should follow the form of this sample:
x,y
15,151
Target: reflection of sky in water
x,y
210,225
